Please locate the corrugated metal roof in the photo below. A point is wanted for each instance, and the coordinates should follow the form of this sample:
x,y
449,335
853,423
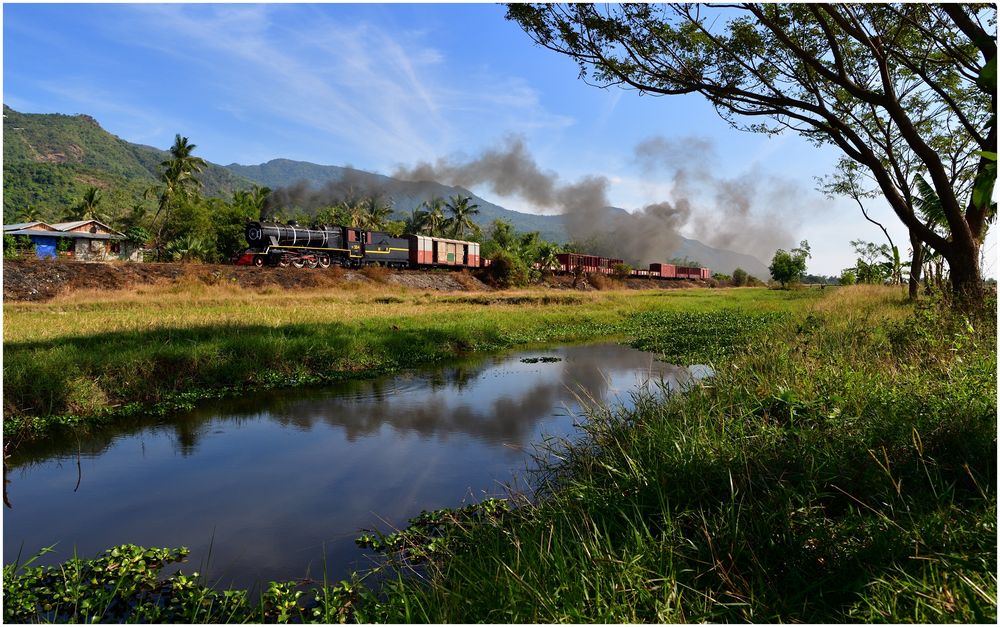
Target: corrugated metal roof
x,y
70,234
25,225
67,226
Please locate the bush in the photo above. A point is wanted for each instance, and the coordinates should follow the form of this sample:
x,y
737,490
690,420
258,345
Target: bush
x,y
10,248
621,271
600,281
848,277
740,277
506,271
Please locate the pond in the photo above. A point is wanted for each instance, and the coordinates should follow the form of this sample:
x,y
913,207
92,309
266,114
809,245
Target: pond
x,y
277,485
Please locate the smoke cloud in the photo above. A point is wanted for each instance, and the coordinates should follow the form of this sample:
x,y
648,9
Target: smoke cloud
x,y
751,213
727,215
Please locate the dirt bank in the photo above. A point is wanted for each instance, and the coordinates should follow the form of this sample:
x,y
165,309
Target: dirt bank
x,y
33,280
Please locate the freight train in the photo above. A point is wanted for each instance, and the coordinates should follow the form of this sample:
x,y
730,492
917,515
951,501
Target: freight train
x,y
320,246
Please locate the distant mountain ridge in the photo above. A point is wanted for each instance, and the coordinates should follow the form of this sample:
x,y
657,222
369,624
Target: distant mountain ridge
x,y
51,159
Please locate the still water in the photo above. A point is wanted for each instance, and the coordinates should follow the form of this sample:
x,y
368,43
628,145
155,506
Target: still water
x,y
277,485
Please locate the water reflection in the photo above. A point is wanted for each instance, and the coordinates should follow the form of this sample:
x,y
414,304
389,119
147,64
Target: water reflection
x,y
277,481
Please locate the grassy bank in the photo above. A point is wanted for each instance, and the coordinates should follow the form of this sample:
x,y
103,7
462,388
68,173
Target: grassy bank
x,y
843,469
91,357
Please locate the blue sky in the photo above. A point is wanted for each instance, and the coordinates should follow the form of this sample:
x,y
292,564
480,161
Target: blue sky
x,y
379,86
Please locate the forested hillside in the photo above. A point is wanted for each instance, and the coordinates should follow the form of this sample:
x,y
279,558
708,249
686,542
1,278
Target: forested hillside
x,y
50,160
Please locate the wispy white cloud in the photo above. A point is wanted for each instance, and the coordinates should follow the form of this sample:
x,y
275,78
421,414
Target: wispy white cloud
x,y
385,96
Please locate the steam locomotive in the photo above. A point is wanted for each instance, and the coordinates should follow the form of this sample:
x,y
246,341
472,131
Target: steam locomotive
x,y
320,246
274,244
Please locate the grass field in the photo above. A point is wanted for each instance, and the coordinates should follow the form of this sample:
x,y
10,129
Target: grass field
x,y
90,356
840,467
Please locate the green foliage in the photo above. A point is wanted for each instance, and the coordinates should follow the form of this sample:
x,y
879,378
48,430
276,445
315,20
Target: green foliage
x,y
137,235
189,248
787,267
621,271
10,248
701,337
433,535
506,270
462,211
774,67
848,277
740,277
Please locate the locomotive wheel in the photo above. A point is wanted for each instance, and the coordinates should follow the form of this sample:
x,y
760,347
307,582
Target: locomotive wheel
x,y
282,261
298,262
258,260
324,261
311,263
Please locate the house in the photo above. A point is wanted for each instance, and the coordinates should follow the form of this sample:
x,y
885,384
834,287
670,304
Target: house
x,y
87,240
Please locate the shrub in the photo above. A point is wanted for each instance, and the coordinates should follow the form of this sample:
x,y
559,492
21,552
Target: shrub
x,y
378,274
506,271
848,277
10,248
599,281
740,277
621,271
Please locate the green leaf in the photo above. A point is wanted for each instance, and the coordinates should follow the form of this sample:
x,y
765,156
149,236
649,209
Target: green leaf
x,y
988,75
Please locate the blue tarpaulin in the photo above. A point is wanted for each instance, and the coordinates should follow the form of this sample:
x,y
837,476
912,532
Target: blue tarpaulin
x,y
44,246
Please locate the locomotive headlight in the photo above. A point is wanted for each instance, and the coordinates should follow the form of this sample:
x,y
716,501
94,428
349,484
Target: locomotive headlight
x,y
253,233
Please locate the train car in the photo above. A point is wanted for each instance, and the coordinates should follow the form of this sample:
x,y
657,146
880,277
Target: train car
x,y
427,251
593,264
663,270
691,273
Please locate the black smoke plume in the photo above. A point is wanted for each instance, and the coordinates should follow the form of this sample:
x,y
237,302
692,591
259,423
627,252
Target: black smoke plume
x,y
720,211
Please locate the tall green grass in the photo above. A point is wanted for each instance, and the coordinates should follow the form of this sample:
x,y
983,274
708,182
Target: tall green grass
x,y
841,470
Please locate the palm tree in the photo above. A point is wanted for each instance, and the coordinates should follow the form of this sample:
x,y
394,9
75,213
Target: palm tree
x,y
87,209
414,223
435,221
374,214
547,259
252,201
461,215
176,180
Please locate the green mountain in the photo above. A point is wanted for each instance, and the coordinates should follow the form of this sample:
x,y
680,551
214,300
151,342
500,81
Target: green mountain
x,y
49,160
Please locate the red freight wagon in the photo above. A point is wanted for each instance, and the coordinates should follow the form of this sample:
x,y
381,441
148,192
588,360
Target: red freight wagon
x,y
663,270
568,262
686,272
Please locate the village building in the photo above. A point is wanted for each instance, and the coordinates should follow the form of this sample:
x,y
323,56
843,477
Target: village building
x,y
84,240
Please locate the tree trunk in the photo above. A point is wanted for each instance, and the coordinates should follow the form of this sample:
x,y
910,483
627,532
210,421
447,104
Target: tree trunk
x,y
916,264
966,282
